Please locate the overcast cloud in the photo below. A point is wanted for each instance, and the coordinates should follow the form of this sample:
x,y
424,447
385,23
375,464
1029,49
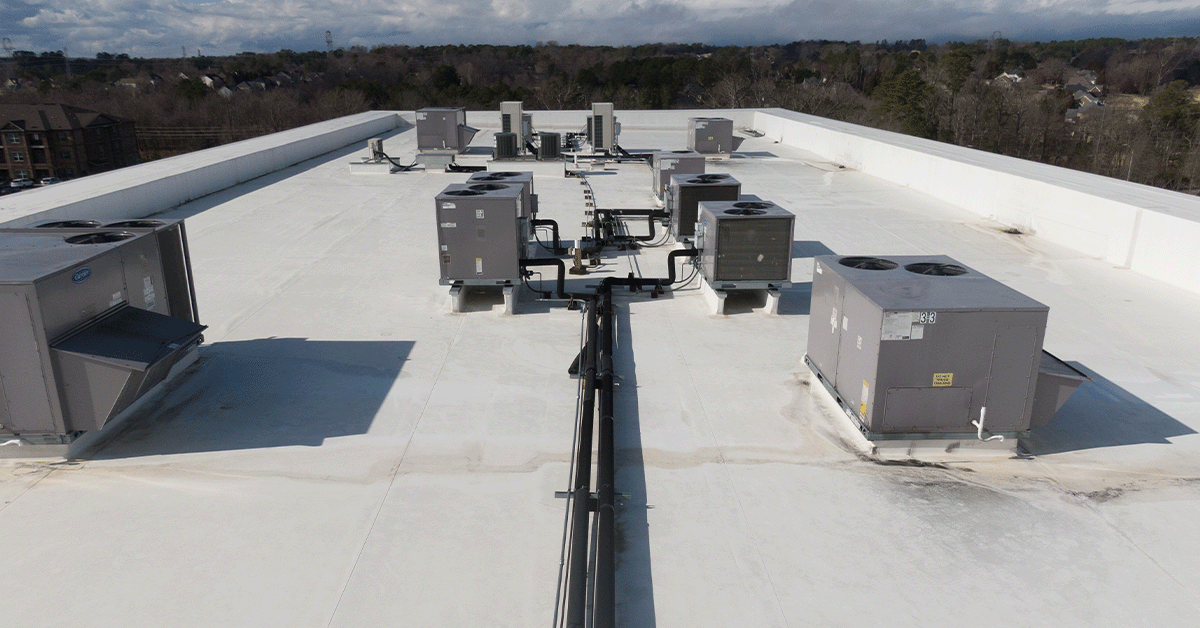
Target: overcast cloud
x,y
155,28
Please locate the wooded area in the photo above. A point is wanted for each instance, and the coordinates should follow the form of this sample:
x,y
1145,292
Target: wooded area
x,y
1125,109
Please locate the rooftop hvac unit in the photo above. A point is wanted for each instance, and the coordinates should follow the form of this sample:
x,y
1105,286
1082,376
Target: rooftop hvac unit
x,y
443,128
712,136
670,162
524,179
549,146
93,318
686,191
745,244
925,345
481,234
603,128
512,120
506,146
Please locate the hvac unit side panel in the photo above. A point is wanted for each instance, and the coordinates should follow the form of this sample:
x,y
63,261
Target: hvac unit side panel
x,y
480,239
30,403
753,250
926,409
65,302
825,319
1013,379
858,356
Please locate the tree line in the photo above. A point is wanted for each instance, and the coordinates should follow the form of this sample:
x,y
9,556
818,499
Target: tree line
x,y
1013,98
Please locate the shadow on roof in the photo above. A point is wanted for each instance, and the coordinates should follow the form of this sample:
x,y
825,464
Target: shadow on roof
x,y
270,392
635,584
1102,414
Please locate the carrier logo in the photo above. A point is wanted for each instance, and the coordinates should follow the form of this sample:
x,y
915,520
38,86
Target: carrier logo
x,y
81,275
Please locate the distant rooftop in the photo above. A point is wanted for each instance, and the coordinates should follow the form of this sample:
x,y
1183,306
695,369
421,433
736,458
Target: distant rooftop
x,y
347,452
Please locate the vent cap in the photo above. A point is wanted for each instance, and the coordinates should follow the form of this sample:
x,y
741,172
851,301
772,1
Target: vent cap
x,y
99,238
936,268
868,263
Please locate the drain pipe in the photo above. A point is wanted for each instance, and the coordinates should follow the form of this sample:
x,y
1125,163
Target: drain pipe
x,y
604,604
581,497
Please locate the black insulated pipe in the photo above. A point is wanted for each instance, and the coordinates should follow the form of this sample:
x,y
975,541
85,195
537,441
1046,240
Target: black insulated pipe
x,y
560,282
604,599
577,559
557,247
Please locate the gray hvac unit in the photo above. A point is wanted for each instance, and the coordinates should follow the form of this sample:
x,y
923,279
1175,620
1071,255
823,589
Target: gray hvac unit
x,y
92,319
685,193
443,128
524,179
549,145
512,120
602,127
481,234
923,345
745,244
712,136
670,162
506,146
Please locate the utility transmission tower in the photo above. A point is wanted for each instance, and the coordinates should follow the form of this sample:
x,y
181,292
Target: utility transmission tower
x,y
328,44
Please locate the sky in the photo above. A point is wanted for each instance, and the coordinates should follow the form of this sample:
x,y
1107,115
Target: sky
x,y
166,28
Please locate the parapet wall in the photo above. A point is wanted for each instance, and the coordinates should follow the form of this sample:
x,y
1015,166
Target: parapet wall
x,y
1142,228
149,188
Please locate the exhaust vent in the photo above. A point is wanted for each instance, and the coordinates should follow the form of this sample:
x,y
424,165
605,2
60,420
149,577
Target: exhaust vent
x,y
868,263
99,238
488,187
935,268
71,224
463,193
746,211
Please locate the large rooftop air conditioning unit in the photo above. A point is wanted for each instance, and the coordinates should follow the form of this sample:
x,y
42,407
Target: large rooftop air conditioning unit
x,y
443,128
712,136
685,193
603,128
919,345
512,120
524,179
93,316
506,146
549,145
481,234
745,244
670,162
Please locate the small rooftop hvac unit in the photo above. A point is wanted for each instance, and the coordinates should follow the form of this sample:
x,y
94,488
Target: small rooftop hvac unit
x,y
506,146
443,128
94,316
481,234
745,244
602,127
524,179
549,145
686,191
712,136
924,345
669,162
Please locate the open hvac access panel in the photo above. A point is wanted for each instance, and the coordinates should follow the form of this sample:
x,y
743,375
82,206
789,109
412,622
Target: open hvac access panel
x,y
92,316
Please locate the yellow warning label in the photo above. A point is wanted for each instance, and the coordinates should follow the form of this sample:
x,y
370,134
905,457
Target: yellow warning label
x,y
862,408
943,379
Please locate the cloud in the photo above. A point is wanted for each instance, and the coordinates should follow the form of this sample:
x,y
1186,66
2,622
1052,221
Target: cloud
x,y
156,28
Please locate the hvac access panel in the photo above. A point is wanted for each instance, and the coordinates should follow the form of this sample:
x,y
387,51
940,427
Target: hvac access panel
x,y
480,233
919,353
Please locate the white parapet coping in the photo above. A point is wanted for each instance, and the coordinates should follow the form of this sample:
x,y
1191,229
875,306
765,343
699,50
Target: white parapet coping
x,y
1129,225
152,187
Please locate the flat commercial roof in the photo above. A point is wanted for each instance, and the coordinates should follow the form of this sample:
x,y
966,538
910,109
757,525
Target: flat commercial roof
x,y
347,452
